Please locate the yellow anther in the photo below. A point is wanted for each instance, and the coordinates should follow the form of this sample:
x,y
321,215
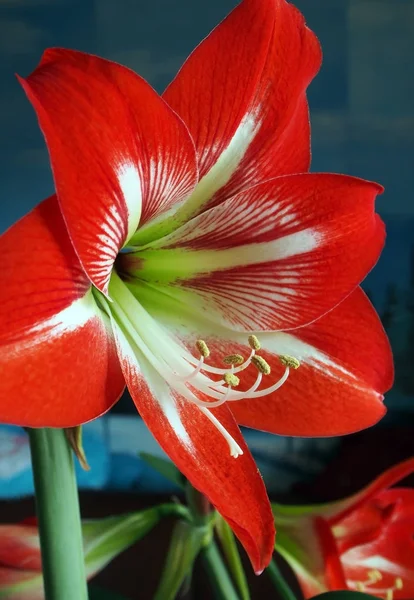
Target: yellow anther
x,y
233,359
360,586
289,361
260,364
389,595
398,583
374,575
203,348
231,379
254,342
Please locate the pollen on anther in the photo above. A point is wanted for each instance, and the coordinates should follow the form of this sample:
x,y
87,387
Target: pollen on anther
x,y
203,348
231,379
261,365
360,586
289,361
233,359
398,583
254,342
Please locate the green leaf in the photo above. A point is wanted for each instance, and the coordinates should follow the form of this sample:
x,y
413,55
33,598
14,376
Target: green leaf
x,y
232,555
186,542
345,595
165,468
106,538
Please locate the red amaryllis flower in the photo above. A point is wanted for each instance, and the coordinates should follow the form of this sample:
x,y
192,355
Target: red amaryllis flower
x,y
365,542
179,229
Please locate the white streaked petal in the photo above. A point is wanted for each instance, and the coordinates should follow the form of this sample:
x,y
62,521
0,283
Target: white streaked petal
x,y
130,182
70,319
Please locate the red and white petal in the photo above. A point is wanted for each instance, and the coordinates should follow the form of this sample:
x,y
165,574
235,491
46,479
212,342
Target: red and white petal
x,y
242,95
346,365
119,154
233,485
274,257
390,552
58,361
20,547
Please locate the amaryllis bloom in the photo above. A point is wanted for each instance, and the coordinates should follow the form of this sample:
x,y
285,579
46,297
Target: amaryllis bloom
x,y
185,232
20,558
363,543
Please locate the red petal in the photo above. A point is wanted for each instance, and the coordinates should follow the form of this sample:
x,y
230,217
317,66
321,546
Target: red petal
x,y
242,95
20,547
58,361
346,364
274,257
233,485
114,144
390,477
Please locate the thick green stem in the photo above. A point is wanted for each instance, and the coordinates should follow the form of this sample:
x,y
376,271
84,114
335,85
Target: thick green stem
x,y
218,575
58,514
285,593
219,578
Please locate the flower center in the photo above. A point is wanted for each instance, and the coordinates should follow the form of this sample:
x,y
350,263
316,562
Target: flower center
x,y
200,383
374,577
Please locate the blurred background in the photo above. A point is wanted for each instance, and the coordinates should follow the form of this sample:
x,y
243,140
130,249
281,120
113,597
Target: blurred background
x,y
362,112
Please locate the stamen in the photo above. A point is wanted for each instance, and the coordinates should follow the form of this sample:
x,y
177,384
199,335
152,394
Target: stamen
x,y
203,348
250,390
233,359
374,576
261,365
235,449
254,342
261,393
191,375
289,361
171,359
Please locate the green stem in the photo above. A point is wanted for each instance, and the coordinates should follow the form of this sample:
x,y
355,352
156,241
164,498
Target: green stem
x,y
198,504
57,506
202,511
218,575
285,593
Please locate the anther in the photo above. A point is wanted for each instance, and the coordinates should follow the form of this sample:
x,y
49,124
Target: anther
x,y
360,586
398,583
254,342
203,348
374,575
261,365
233,359
231,379
289,361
